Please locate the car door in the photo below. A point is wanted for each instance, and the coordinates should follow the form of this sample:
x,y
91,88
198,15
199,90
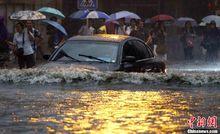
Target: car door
x,y
135,55
145,57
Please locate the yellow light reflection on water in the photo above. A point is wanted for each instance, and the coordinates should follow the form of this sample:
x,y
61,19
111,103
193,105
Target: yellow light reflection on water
x,y
120,112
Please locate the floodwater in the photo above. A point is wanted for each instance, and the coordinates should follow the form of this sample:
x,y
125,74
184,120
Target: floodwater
x,y
70,101
128,109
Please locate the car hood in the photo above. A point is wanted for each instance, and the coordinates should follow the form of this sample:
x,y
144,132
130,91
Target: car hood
x,y
95,66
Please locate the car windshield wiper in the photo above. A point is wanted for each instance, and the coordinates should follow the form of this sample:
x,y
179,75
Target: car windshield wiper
x,y
66,55
93,57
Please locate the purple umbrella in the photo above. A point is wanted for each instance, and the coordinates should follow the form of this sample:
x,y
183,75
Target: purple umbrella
x,y
182,20
79,14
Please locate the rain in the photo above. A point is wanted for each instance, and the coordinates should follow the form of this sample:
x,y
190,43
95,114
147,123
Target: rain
x,y
93,66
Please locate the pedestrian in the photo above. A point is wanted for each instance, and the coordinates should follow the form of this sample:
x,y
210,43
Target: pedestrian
x,y
111,26
102,29
187,38
122,29
140,32
24,50
87,29
211,42
55,38
159,36
149,40
133,26
35,38
4,48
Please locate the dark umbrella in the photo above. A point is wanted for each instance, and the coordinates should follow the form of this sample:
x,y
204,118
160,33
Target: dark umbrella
x,y
56,25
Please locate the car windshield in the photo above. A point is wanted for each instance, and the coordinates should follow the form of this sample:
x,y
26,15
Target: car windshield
x,y
98,51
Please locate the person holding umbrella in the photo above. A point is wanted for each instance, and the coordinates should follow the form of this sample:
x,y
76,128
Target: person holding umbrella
x,y
122,29
211,42
24,51
86,29
140,32
187,40
26,37
35,37
159,36
56,32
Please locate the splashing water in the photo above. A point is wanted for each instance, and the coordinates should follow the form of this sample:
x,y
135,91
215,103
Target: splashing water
x,y
178,76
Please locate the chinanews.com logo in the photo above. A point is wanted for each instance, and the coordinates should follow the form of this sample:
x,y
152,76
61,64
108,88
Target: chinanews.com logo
x,y
202,125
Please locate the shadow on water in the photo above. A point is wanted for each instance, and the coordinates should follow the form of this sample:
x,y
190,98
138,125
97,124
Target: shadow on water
x,y
124,108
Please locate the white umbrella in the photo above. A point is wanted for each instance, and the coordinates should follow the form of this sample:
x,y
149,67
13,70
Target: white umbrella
x,y
202,24
123,14
210,18
96,15
27,15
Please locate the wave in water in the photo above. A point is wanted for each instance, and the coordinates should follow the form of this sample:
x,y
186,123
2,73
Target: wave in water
x,y
74,75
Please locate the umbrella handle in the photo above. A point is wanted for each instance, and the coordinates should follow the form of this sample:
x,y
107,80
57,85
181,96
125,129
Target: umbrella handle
x,y
87,22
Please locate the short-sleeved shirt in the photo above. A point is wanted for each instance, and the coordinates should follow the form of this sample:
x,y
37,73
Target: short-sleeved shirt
x,y
36,34
85,30
25,44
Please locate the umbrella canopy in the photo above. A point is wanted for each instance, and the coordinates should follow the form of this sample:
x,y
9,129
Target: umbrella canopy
x,y
202,24
123,14
27,15
52,12
182,20
96,15
56,25
79,14
210,18
162,17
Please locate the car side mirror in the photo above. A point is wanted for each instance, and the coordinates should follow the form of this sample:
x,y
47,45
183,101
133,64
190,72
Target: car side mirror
x,y
46,57
129,59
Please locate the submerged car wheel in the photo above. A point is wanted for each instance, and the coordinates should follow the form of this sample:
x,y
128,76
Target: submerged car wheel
x,y
157,67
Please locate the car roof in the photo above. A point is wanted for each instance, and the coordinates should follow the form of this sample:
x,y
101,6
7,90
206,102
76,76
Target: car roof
x,y
101,37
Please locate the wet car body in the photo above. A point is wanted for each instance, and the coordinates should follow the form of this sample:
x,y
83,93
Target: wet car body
x,y
113,53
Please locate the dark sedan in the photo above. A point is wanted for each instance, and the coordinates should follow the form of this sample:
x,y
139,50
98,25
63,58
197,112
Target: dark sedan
x,y
108,53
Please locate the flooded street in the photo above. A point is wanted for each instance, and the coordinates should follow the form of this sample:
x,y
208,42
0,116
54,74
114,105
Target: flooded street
x,y
103,109
109,67
78,100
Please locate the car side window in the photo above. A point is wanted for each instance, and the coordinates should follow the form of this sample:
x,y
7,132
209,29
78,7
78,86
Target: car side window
x,y
143,49
136,49
128,49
